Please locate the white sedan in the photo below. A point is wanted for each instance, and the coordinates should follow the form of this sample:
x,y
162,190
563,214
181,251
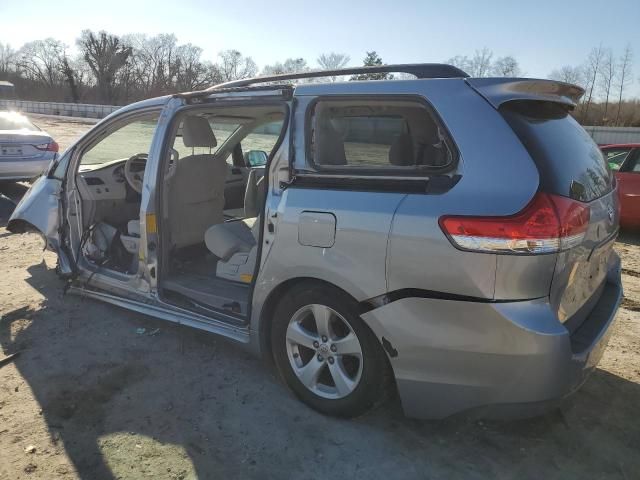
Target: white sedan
x,y
25,150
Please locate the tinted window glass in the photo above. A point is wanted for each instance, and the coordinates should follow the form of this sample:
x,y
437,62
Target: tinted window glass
x,y
377,137
569,161
615,156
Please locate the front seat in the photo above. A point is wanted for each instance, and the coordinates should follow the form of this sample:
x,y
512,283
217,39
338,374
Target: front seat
x,y
235,243
196,191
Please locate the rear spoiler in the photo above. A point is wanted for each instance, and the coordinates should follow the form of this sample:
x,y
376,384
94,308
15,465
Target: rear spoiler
x,y
497,91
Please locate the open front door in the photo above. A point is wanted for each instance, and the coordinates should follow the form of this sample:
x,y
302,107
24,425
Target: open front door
x,y
41,209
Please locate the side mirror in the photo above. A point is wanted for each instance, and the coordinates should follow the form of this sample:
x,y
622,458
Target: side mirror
x,y
256,158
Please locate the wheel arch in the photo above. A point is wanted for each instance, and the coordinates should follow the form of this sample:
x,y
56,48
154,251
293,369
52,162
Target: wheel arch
x,y
265,317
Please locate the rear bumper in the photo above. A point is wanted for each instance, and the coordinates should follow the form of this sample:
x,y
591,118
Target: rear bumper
x,y
24,169
506,359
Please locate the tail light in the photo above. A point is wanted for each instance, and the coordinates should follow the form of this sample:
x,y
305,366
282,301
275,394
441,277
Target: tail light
x,y
548,224
48,147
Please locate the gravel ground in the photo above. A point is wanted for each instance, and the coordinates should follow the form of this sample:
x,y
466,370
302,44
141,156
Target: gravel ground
x,y
89,397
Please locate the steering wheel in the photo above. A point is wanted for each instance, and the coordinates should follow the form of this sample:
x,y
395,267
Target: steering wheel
x,y
132,171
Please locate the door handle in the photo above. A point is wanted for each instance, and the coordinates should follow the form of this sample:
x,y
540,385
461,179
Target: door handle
x,y
236,171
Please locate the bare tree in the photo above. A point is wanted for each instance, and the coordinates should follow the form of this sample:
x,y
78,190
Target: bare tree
x,y
8,59
460,61
106,55
568,74
606,77
193,73
592,69
274,69
333,61
506,67
234,66
480,65
623,75
290,65
40,60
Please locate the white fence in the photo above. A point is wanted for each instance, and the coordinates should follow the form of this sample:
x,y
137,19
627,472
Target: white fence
x,y
601,135
56,108
604,135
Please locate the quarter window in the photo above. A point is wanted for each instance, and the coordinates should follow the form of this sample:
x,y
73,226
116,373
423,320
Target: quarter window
x,y
377,137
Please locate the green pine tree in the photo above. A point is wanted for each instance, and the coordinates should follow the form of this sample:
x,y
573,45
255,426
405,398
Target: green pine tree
x,y
372,60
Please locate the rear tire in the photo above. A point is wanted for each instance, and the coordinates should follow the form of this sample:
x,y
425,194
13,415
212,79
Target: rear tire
x,y
325,353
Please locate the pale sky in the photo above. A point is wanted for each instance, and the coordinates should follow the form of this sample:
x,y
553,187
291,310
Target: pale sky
x,y
541,34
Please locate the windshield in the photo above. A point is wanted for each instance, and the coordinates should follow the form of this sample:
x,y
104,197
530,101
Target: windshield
x,y
15,121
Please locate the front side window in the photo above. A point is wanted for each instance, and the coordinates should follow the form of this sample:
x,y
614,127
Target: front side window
x,y
124,142
257,146
377,137
615,157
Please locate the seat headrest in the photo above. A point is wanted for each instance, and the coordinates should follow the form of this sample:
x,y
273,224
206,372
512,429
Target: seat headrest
x,y
401,151
196,132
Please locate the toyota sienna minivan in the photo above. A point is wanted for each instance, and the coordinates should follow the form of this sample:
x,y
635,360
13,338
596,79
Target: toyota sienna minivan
x,y
446,237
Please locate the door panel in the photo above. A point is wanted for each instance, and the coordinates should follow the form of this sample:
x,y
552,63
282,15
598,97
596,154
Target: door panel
x,y
629,190
354,260
629,195
40,208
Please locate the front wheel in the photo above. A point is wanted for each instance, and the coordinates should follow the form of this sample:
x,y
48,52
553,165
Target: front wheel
x,y
325,353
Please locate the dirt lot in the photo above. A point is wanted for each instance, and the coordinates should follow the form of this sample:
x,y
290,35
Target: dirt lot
x,y
90,397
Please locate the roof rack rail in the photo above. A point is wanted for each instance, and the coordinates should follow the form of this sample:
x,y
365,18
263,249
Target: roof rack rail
x,y
420,70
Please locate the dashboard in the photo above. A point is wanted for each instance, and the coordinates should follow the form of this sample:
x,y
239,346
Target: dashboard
x,y
104,182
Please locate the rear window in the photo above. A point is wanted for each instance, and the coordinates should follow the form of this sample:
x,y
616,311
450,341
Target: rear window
x,y
14,121
569,161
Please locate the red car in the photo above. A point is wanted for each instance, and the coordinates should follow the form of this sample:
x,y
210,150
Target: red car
x,y
624,160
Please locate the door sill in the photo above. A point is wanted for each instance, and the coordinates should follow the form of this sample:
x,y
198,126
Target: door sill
x,y
172,313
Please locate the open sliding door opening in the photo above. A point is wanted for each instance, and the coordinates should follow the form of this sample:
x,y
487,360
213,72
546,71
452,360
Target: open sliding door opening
x,y
212,197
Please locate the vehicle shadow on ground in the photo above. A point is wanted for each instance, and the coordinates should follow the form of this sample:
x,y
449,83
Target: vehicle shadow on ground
x,y
13,190
116,399
631,237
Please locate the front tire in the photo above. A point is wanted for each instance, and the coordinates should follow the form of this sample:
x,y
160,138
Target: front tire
x,y
325,353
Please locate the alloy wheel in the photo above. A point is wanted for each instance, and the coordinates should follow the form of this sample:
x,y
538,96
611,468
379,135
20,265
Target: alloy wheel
x,y
324,351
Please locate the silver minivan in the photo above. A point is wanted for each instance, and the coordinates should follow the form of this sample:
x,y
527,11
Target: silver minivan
x,y
446,238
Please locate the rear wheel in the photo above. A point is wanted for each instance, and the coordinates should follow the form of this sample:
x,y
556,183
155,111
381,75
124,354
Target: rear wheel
x,y
325,352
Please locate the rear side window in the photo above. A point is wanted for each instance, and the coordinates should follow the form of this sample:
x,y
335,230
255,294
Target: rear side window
x,y
377,137
568,160
615,157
